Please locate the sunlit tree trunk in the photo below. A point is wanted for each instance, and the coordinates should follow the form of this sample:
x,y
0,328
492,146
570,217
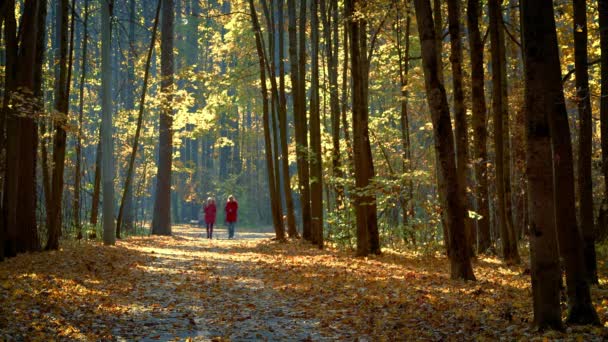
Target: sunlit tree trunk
x,y
77,167
272,186
458,253
316,160
291,218
302,132
161,222
603,23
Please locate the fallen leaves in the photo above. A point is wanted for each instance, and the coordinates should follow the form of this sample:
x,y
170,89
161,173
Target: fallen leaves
x,y
185,287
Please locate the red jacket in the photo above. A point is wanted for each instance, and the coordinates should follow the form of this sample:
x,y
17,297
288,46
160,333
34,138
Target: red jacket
x,y
210,211
231,209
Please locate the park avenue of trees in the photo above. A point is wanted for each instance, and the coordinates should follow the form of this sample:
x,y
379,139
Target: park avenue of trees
x,y
469,128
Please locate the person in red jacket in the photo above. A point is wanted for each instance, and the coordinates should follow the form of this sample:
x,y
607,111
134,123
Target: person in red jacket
x,y
231,215
210,211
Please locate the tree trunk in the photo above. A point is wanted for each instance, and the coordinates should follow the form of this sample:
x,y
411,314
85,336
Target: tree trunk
x,y
479,122
579,256
510,253
585,184
272,186
96,184
59,139
77,167
603,23
107,154
365,201
302,132
540,61
316,160
161,222
460,118
458,253
291,218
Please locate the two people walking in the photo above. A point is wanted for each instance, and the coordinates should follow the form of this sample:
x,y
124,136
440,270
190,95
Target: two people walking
x,y
210,212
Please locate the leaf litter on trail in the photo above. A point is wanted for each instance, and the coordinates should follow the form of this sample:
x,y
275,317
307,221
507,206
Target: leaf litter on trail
x,y
185,287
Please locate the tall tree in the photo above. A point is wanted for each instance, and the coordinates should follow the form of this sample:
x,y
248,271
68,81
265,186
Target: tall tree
x,y
460,118
509,243
585,183
458,252
365,199
107,153
161,222
404,65
316,162
291,218
479,122
62,97
77,166
603,23
540,60
301,127
272,186
20,233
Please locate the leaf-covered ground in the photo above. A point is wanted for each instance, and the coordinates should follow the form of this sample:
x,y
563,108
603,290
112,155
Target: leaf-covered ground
x,y
189,288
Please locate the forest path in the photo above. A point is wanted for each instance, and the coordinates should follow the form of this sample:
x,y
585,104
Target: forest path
x,y
186,287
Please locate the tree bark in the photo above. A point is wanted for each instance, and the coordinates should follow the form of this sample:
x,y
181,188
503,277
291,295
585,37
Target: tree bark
x,y
585,183
509,249
77,167
291,218
603,23
458,253
579,256
302,132
541,61
479,123
460,118
107,154
272,186
316,157
59,139
161,222
365,199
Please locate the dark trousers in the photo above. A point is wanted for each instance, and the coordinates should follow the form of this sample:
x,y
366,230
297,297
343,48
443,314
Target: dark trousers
x,y
209,230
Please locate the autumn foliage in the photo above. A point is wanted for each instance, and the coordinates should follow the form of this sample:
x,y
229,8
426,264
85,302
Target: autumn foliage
x,y
185,286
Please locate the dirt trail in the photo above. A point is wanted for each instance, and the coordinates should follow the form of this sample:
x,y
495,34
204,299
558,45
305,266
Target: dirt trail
x,y
186,287
210,291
